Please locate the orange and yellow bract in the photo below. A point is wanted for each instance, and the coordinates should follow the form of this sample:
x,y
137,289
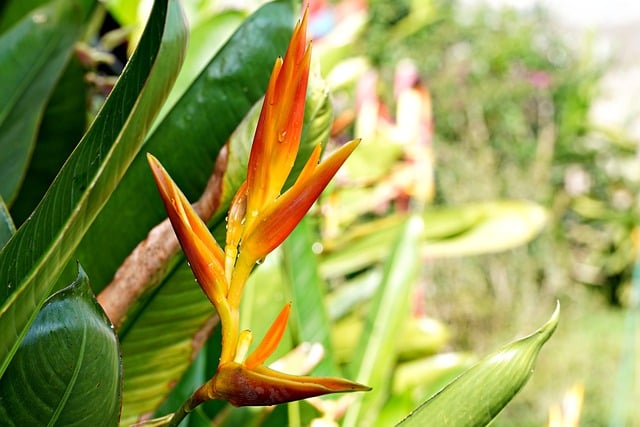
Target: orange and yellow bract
x,y
260,218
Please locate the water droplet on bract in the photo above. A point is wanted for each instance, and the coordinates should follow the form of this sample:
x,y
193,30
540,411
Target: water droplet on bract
x,y
282,135
260,261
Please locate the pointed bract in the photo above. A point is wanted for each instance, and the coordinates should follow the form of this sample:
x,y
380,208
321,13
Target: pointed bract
x,y
282,216
277,135
203,252
262,386
270,341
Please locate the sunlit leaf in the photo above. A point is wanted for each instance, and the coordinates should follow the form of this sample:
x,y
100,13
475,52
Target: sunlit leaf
x,y
480,393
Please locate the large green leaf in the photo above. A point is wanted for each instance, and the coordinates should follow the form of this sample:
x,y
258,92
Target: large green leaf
x,y
67,370
31,261
480,393
504,225
205,40
376,352
33,54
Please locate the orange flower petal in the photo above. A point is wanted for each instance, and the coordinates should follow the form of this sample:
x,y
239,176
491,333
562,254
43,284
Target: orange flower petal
x,y
277,135
282,216
202,251
262,386
270,341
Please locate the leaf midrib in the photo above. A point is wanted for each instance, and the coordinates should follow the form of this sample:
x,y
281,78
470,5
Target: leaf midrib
x,y
74,378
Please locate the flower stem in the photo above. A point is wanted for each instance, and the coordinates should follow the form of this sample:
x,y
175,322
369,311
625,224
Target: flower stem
x,y
188,406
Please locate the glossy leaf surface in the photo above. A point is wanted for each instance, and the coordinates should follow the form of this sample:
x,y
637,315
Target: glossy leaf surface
x,y
64,121
67,370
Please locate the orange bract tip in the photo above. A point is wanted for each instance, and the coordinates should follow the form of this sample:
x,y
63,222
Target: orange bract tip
x,y
271,340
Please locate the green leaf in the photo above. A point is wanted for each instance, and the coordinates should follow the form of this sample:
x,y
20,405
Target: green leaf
x,y
32,260
6,224
154,354
64,121
481,392
205,40
309,315
375,356
67,370
33,54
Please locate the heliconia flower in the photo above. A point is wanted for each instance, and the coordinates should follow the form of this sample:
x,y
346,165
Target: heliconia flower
x,y
260,218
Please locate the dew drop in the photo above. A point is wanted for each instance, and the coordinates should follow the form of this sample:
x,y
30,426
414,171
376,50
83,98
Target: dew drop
x,y
282,135
260,261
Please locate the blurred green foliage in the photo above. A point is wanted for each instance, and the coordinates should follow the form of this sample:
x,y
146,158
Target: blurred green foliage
x,y
512,100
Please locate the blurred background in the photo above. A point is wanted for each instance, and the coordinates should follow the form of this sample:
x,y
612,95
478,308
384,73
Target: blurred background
x,y
526,100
